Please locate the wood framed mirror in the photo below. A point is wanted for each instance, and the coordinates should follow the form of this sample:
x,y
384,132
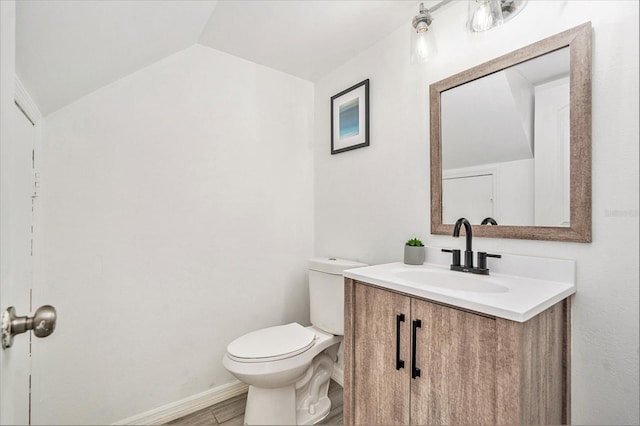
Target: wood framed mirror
x,y
511,143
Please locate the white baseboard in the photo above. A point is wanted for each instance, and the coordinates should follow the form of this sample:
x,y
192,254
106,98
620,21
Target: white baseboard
x,y
191,404
186,406
338,375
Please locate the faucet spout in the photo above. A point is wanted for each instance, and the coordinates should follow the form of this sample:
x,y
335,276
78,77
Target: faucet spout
x,y
468,254
467,229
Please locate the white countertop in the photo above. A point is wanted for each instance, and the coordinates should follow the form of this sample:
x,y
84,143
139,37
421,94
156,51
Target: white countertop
x,y
539,284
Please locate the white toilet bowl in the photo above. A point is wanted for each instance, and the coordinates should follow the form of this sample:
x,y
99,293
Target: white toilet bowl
x,y
288,367
287,373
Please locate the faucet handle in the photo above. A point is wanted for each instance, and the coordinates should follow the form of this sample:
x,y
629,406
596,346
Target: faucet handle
x,y
455,259
482,258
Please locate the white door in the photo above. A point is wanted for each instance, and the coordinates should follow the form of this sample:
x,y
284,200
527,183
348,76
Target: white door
x,y
17,141
14,364
468,196
16,263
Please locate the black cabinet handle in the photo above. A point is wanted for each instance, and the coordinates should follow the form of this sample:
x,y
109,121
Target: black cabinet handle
x,y
415,371
399,362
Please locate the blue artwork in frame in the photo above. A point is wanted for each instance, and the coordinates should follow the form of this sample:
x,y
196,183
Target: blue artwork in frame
x,y
350,118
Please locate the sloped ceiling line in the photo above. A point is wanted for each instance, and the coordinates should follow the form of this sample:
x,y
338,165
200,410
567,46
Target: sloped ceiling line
x,y
67,49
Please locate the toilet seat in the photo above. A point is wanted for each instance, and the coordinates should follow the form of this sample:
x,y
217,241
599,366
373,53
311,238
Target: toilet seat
x,y
271,344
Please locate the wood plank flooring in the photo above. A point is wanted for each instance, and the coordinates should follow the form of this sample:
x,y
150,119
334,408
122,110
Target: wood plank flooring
x,y
231,411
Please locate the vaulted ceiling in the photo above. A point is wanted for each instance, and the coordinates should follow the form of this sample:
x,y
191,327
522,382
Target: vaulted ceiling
x,y
65,49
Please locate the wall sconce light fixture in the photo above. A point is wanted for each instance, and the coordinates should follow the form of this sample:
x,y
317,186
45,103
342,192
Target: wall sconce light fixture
x,y
482,16
423,45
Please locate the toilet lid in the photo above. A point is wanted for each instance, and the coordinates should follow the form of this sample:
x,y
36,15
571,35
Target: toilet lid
x,y
271,343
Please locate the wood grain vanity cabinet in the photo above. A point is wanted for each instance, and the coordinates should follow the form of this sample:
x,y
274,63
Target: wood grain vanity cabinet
x,y
413,361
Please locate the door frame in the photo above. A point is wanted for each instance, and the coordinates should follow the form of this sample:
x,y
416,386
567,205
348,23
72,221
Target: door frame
x,y
25,105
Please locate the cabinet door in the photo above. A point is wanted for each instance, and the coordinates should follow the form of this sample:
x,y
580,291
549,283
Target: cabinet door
x,y
455,351
381,392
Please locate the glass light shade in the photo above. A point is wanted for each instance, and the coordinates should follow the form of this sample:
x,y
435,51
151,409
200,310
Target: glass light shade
x,y
423,46
484,15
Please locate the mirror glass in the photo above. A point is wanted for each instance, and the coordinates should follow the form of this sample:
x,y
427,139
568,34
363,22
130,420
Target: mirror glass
x,y
511,143
505,145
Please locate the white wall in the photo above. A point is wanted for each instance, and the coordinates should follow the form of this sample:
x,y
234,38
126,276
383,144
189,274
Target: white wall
x,y
370,200
176,215
552,153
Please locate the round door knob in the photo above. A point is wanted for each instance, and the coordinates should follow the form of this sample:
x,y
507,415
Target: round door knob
x,y
44,321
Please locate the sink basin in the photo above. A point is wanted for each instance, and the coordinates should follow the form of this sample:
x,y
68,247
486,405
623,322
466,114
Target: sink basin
x,y
518,288
457,281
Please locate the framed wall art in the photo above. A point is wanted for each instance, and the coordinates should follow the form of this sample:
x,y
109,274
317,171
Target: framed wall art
x,y
350,118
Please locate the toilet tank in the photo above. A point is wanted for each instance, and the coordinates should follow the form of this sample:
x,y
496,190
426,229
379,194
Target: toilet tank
x,y
326,292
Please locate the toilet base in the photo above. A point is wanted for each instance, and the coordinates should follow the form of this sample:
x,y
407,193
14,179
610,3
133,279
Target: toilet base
x,y
271,406
304,402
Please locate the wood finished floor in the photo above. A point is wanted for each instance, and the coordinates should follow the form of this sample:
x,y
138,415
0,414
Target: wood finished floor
x,y
231,411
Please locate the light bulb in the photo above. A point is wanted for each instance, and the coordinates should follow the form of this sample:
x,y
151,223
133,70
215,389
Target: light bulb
x,y
424,47
482,20
484,15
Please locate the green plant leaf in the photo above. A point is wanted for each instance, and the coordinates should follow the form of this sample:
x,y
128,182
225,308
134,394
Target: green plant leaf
x,y
414,242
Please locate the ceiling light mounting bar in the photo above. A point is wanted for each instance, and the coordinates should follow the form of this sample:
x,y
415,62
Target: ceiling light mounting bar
x,y
422,20
439,5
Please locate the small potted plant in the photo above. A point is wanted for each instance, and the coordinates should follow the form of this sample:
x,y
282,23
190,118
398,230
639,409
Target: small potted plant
x,y
414,252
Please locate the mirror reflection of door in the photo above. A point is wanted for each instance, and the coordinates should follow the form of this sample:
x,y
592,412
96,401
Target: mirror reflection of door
x,y
467,196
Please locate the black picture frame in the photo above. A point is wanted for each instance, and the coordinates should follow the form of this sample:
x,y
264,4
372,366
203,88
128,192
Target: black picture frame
x,y
350,118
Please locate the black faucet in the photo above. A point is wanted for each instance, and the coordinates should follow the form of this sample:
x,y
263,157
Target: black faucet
x,y
468,253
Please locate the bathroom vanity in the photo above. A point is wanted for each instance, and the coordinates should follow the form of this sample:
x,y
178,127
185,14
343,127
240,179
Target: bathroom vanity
x,y
423,346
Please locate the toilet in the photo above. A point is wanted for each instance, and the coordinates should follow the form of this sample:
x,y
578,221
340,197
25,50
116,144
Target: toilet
x,y
288,367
